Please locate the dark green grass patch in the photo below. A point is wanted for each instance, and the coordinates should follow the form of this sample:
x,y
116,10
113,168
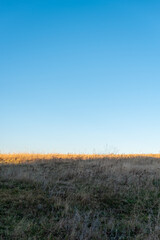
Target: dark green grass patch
x,y
85,212
23,209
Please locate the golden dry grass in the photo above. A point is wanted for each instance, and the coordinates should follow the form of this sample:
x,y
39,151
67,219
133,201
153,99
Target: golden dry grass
x,y
16,158
79,197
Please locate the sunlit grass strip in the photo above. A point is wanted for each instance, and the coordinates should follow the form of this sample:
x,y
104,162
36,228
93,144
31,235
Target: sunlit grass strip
x,y
16,158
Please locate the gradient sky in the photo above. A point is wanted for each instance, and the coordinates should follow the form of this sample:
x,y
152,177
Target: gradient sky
x,y
80,76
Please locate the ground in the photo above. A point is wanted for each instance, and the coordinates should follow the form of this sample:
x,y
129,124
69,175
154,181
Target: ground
x,y
79,197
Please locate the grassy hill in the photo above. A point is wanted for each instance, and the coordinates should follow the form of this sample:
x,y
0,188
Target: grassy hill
x,y
79,197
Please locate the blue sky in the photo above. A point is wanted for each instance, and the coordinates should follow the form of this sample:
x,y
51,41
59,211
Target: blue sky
x,y
80,76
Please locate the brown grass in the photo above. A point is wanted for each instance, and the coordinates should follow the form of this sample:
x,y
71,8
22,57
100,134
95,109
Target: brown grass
x,y
16,158
81,197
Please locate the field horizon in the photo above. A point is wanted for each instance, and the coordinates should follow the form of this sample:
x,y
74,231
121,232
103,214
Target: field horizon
x,y
79,126
25,156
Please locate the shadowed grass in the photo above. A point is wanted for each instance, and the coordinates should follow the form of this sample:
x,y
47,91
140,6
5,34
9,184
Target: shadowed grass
x,y
72,199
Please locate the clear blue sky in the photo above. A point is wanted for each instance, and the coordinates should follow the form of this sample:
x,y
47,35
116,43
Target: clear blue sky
x,y
80,76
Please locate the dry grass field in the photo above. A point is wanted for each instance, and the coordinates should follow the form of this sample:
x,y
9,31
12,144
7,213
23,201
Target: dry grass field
x,y
79,197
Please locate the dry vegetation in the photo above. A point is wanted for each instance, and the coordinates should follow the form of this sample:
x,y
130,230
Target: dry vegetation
x,y
79,197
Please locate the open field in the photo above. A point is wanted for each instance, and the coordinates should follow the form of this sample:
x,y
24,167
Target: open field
x,y
79,197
